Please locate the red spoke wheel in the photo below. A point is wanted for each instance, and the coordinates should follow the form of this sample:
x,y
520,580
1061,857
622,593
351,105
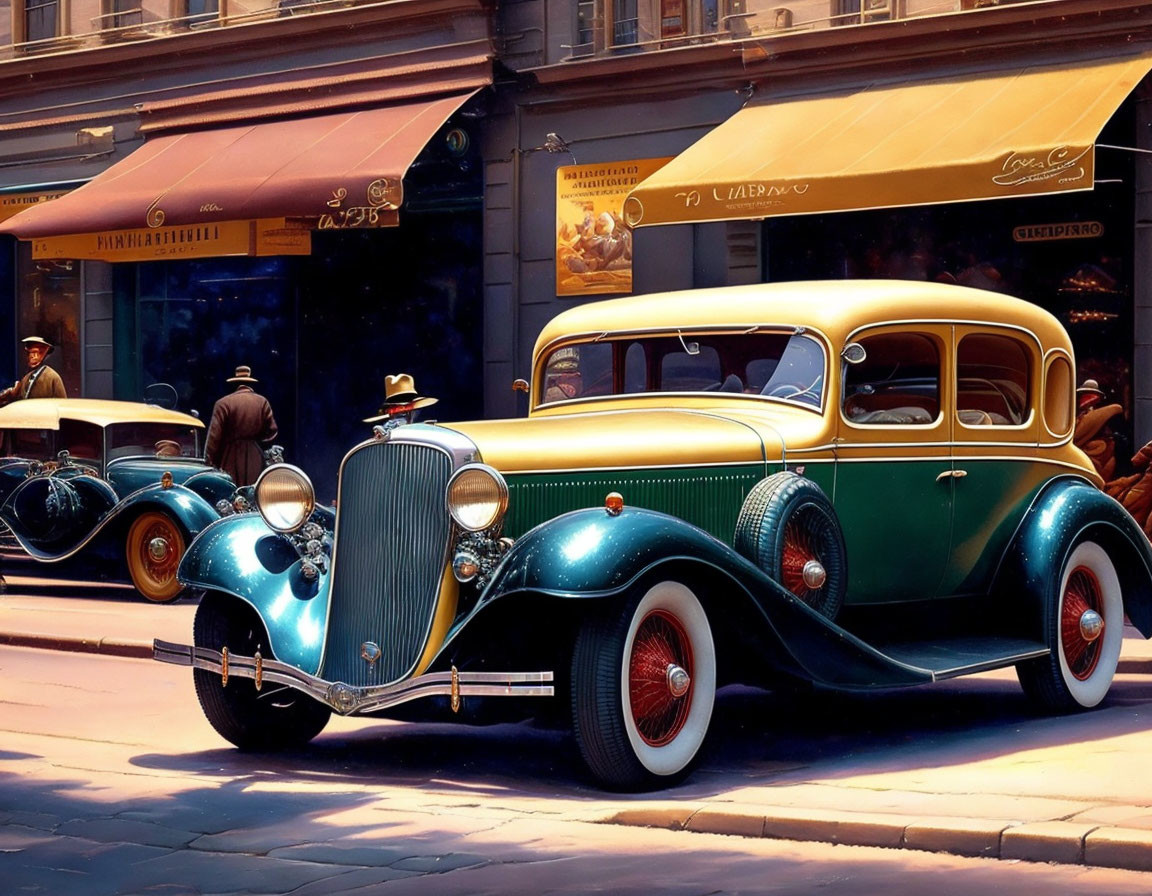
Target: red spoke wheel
x,y
643,686
1084,628
788,528
153,550
1082,595
659,705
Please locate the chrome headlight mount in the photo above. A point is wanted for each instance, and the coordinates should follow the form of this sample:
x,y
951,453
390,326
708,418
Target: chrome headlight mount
x,y
284,497
477,497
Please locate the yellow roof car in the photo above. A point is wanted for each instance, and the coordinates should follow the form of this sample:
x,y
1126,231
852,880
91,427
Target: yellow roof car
x,y
86,477
861,484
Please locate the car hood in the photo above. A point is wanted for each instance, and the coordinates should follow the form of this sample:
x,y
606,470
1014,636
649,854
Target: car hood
x,y
615,439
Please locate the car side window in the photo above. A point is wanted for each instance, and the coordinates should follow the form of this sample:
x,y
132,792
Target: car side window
x,y
80,439
898,382
992,378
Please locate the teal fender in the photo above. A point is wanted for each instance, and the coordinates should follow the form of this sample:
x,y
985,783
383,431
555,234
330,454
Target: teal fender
x,y
1066,512
590,554
241,556
97,515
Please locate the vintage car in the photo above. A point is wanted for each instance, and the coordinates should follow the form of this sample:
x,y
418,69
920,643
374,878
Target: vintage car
x,y
856,485
107,480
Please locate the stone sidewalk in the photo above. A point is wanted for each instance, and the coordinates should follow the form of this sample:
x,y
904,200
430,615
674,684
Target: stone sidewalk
x,y
1023,804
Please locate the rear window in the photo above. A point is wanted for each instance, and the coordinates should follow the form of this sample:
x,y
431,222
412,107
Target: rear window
x,y
151,439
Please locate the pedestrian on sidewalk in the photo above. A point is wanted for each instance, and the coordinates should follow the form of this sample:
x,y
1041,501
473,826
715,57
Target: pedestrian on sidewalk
x,y
41,381
242,427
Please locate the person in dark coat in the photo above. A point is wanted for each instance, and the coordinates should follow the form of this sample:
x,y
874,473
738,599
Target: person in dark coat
x,y
242,426
41,381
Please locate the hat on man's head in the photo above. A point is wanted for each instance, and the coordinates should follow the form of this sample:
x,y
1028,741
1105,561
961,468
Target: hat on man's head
x,y
1089,393
243,375
400,395
31,341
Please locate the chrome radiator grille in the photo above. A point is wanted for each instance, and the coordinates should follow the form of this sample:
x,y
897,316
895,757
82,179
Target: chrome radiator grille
x,y
392,537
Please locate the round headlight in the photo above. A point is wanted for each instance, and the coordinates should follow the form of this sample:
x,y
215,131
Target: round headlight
x,y
477,497
284,497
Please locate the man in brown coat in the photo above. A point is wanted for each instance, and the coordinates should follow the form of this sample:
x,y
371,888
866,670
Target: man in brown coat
x,y
41,381
242,426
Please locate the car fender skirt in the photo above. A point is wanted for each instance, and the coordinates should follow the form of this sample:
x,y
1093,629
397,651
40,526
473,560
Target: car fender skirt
x,y
239,555
1066,512
590,554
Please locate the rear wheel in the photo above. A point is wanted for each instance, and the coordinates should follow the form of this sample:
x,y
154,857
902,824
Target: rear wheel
x,y
272,718
1084,627
643,686
153,550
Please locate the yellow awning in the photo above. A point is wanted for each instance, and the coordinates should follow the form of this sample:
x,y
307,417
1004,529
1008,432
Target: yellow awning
x,y
987,135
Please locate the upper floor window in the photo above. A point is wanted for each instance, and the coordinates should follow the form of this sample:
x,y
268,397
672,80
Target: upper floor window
x,y
202,8
585,13
41,19
625,22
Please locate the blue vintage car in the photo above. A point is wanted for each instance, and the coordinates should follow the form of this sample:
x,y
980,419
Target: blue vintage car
x,y
855,485
104,480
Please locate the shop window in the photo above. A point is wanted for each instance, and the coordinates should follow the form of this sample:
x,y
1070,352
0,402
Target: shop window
x,y
898,382
41,20
992,375
48,305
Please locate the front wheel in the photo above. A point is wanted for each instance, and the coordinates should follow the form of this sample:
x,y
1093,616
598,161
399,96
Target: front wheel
x,y
153,550
643,686
1084,627
272,718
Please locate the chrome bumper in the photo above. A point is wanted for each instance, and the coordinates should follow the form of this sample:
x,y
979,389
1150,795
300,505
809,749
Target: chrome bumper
x,y
350,700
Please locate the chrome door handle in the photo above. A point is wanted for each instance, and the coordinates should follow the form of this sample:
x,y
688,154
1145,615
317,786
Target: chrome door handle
x,y
952,474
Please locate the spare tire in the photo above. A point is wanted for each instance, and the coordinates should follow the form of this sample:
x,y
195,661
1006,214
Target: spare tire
x,y
789,529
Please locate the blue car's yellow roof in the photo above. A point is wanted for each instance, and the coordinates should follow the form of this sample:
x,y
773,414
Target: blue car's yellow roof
x,y
46,413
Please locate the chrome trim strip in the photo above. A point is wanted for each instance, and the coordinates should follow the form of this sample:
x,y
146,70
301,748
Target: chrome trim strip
x,y
348,700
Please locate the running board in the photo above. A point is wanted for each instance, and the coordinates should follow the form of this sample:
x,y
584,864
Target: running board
x,y
950,658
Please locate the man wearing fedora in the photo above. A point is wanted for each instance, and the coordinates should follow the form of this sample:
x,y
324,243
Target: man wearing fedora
x,y
401,402
242,426
41,381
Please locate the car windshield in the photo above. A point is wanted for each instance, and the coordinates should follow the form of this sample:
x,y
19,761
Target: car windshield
x,y
784,365
151,439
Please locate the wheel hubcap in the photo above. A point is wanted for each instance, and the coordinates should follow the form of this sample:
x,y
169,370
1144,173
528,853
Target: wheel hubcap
x,y
1081,623
660,678
814,575
158,549
678,680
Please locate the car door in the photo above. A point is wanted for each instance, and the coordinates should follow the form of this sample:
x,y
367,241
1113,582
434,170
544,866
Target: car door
x,y
894,486
998,466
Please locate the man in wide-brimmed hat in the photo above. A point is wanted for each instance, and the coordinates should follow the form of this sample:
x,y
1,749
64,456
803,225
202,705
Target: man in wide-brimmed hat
x,y
41,381
242,427
401,401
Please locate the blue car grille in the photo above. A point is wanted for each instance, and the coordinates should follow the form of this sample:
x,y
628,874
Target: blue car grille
x,y
392,537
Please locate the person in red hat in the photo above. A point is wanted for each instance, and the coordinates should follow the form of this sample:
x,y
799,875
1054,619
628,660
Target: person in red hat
x,y
242,427
41,381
